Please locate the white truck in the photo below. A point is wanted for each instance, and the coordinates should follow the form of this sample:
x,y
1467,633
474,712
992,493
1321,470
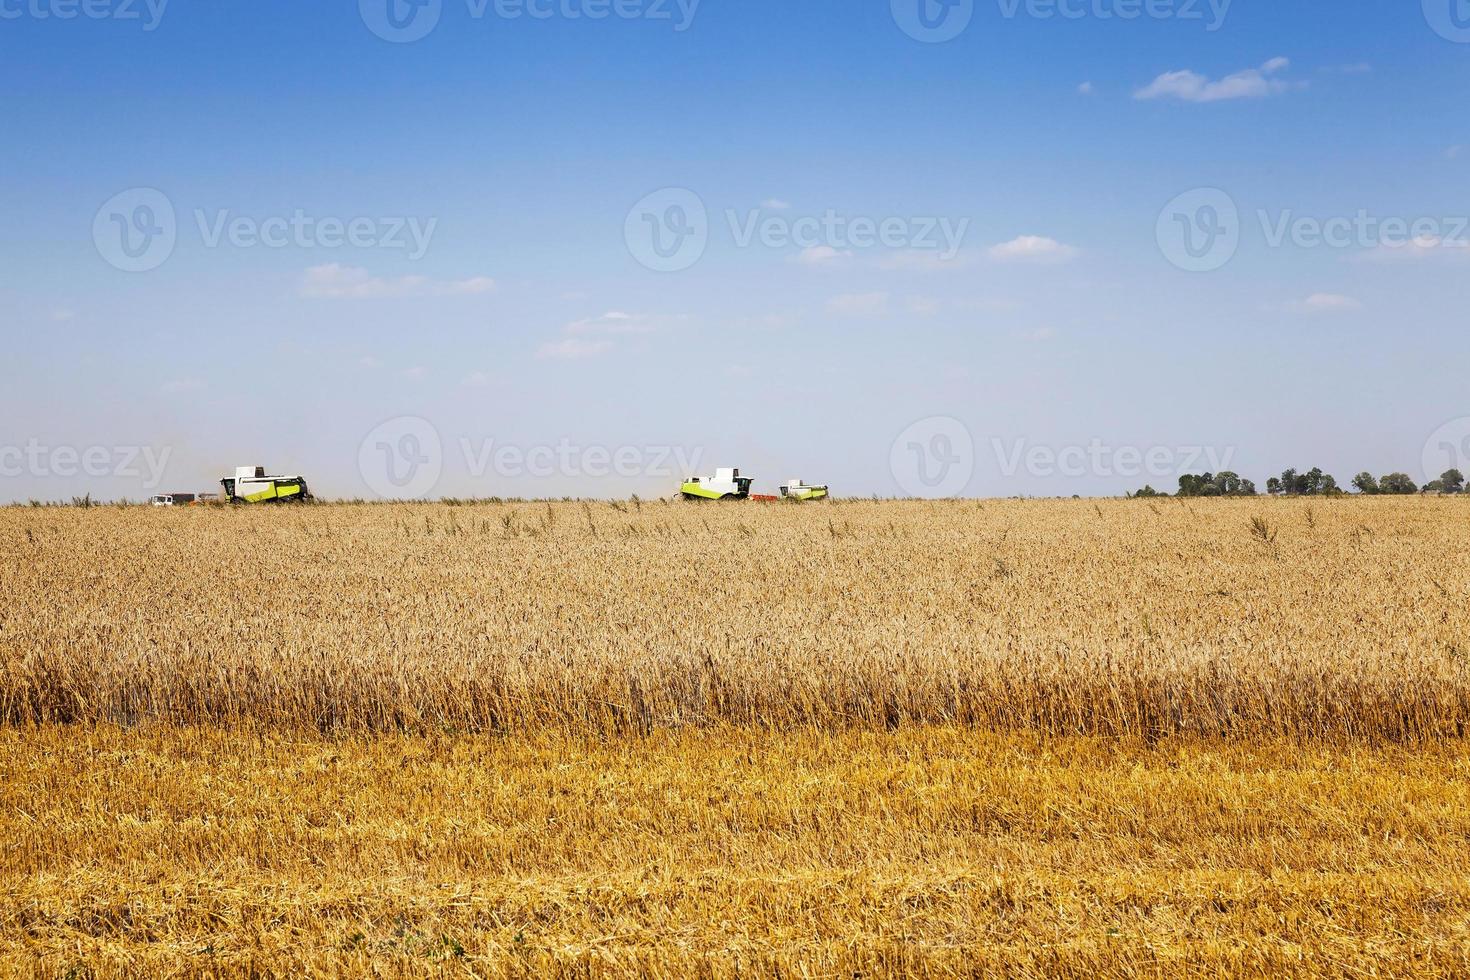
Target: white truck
x,y
172,499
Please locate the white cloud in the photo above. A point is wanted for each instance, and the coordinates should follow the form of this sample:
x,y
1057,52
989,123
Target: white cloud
x,y
472,285
1190,86
1358,68
1032,248
923,305
1426,248
477,379
183,386
1086,88
62,315
416,373
858,304
369,362
612,322
1326,303
571,348
1453,153
821,256
991,305
775,204
1040,334
336,281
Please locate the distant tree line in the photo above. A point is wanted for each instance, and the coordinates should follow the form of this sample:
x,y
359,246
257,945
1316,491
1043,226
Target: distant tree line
x,y
1312,483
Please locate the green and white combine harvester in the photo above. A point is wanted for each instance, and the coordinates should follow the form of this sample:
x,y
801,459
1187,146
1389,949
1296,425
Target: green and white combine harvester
x,y
251,485
728,484
796,490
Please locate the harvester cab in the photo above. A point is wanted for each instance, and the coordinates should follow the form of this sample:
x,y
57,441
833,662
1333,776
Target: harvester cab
x,y
251,485
796,490
726,484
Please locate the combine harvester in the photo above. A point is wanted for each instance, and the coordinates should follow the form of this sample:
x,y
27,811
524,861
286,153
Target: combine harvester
x,y
728,484
796,490
251,485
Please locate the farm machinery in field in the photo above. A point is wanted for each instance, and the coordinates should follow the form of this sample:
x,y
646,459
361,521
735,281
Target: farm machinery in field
x,y
728,484
251,485
796,490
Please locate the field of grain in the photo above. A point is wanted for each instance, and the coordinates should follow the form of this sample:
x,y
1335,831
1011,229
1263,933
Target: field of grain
x,y
1116,618
854,738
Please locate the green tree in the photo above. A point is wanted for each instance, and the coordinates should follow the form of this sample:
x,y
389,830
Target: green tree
x,y
1366,483
1453,480
1223,484
1398,483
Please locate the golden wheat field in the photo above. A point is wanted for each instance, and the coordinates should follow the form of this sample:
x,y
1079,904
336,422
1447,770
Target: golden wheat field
x,y
857,738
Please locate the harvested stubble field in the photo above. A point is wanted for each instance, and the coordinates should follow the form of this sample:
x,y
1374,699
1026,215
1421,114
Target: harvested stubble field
x,y
1020,737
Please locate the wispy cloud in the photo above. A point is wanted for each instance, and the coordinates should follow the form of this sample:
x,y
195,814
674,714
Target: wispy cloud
x,y
1032,248
1427,248
821,256
775,204
1325,303
594,335
572,348
182,386
858,304
1190,86
336,281
611,322
1086,88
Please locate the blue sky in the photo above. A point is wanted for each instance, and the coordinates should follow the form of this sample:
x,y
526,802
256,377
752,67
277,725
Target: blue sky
x,y
1061,320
